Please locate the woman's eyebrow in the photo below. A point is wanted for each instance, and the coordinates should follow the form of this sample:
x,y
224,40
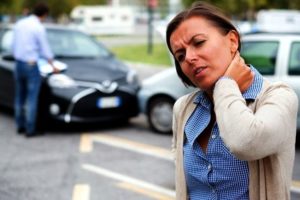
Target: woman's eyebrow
x,y
190,41
198,34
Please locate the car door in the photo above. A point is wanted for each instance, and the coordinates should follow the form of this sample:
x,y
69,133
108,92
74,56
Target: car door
x,y
6,69
293,70
277,59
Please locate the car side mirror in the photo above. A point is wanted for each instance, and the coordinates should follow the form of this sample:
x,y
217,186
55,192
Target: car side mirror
x,y
8,57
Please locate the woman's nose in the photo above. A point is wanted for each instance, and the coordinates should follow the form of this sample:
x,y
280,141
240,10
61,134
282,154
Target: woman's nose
x,y
191,55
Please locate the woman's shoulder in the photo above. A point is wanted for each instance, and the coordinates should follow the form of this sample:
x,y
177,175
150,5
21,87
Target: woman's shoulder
x,y
278,89
269,86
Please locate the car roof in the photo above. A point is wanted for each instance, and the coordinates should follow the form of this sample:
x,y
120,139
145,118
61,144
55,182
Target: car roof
x,y
271,36
272,33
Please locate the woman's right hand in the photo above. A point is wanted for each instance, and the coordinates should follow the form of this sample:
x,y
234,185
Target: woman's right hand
x,y
240,72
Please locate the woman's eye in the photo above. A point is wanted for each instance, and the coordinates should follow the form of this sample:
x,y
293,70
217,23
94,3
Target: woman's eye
x,y
180,58
198,42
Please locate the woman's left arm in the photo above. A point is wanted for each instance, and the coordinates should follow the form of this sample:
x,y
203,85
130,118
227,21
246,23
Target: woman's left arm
x,y
253,135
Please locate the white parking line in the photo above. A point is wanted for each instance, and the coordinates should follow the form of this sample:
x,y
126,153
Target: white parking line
x,y
86,145
81,192
143,191
295,187
126,179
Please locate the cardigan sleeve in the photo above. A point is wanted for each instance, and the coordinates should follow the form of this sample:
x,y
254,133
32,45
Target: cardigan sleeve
x,y
252,135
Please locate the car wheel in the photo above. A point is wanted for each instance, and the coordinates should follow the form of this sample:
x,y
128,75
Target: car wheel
x,y
160,114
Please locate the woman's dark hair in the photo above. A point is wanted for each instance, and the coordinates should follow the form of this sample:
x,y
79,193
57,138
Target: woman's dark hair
x,y
40,9
209,12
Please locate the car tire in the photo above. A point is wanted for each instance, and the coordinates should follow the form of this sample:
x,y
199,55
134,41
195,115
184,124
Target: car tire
x,y
160,113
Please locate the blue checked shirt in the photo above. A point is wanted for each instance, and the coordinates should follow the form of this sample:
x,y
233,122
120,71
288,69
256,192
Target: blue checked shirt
x,y
216,173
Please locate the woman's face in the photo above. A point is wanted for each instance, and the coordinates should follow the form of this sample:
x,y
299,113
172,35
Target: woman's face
x,y
202,51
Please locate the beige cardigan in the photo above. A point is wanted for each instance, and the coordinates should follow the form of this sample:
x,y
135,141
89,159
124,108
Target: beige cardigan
x,y
262,133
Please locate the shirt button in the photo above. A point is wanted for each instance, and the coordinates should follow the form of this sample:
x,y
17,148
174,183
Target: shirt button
x,y
209,167
213,136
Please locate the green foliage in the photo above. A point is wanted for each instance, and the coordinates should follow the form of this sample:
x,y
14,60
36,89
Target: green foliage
x,y
139,53
57,7
93,2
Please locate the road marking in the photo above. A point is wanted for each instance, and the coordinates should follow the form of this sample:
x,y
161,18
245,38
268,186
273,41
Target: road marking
x,y
86,145
295,187
133,181
81,192
144,191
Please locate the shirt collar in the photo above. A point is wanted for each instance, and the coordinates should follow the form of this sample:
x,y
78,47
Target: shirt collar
x,y
202,99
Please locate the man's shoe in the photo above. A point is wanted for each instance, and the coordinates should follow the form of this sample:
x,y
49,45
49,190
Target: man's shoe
x,y
21,130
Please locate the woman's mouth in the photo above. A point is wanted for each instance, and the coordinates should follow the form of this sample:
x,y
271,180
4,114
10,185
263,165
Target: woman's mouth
x,y
199,71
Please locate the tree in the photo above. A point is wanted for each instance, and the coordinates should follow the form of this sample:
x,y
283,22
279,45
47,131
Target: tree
x,y
5,5
57,7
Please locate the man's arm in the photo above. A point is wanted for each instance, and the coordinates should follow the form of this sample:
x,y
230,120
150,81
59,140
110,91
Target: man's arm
x,y
45,49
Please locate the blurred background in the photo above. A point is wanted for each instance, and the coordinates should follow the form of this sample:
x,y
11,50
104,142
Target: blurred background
x,y
129,158
61,9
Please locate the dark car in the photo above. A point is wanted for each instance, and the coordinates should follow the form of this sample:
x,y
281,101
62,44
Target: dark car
x,y
95,87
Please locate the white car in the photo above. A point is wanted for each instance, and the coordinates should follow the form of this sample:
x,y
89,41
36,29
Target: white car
x,y
157,96
276,56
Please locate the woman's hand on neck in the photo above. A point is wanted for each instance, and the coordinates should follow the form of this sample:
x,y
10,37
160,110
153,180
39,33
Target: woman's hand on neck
x,y
240,72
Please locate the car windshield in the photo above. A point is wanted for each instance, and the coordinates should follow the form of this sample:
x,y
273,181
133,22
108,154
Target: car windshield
x,y
65,43
74,44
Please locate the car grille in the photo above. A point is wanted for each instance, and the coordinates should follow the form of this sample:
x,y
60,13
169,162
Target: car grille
x,y
87,107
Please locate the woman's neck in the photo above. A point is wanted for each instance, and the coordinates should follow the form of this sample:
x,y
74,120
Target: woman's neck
x,y
245,87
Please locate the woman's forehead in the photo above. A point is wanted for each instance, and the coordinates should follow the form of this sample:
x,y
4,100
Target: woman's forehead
x,y
192,25
189,28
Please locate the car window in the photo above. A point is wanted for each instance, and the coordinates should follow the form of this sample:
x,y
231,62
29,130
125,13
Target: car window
x,y
261,54
73,43
294,59
64,43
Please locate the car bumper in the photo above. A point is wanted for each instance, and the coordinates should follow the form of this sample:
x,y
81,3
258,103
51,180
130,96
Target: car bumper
x,y
87,106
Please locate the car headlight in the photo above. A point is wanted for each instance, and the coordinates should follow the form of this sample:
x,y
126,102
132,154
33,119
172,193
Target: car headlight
x,y
131,77
61,81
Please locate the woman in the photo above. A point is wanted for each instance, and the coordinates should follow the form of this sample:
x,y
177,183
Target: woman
x,y
235,137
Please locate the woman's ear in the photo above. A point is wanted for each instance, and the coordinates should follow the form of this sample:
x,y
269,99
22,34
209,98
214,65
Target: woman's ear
x,y
234,41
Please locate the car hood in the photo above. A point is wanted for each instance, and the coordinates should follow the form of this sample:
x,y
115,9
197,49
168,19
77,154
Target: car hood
x,y
95,69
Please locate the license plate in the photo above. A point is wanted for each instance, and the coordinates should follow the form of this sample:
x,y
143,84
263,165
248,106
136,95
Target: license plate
x,y
109,102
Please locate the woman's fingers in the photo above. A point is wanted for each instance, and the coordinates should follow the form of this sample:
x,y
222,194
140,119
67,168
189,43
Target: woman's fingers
x,y
240,72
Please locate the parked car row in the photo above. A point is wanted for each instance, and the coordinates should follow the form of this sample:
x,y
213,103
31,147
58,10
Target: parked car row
x,y
97,87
